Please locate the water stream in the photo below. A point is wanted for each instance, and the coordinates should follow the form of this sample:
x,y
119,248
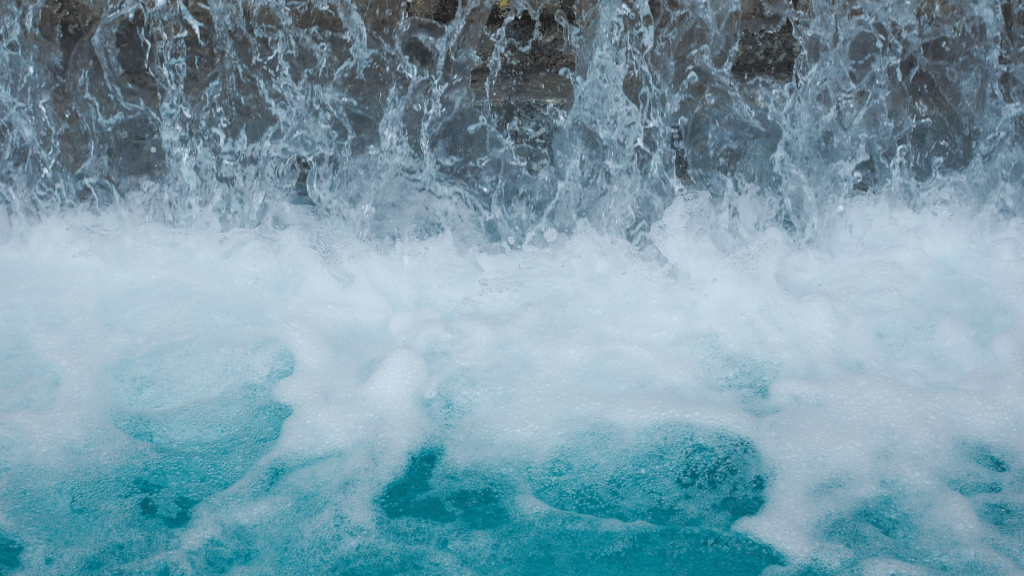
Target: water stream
x,y
577,287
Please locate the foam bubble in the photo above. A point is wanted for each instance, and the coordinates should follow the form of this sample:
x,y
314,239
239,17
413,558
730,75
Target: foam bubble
x,y
200,402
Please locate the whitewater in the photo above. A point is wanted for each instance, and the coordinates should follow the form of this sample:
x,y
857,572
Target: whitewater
x,y
511,288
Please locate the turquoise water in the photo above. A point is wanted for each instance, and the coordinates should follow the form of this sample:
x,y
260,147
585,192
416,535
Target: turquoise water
x,y
688,287
296,402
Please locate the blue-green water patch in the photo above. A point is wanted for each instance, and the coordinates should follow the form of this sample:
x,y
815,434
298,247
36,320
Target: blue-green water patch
x,y
658,501
894,526
27,381
189,421
10,552
746,376
204,413
992,480
671,475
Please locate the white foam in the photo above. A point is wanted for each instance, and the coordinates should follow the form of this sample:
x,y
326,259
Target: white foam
x,y
878,353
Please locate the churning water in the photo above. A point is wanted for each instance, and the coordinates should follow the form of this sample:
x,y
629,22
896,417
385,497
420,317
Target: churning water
x,y
432,287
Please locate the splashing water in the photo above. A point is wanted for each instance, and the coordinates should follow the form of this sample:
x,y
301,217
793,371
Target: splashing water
x,y
437,287
496,122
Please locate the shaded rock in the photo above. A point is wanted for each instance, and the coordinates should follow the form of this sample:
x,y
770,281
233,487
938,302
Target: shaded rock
x,y
532,81
865,175
1013,29
679,162
132,54
136,148
200,58
535,62
941,135
67,22
442,11
304,166
767,53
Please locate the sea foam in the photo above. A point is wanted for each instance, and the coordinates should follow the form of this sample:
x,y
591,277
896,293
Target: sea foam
x,y
301,401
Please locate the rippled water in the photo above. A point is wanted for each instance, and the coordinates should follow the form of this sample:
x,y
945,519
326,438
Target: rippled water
x,y
303,287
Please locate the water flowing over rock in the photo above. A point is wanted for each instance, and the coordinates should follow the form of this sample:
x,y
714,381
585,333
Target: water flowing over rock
x,y
503,119
511,287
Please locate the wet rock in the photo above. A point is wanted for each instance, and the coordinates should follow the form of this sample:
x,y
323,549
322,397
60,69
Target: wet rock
x,y
200,58
865,175
381,17
136,148
442,11
941,135
67,22
324,44
132,54
535,63
1013,30
418,52
681,165
304,167
532,81
527,123
766,52
317,17
1011,53
105,79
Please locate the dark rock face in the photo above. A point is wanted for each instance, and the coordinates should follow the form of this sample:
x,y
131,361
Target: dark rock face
x,y
130,41
200,59
1013,21
67,22
767,53
535,60
941,133
442,11
502,108
1012,50
679,162
532,80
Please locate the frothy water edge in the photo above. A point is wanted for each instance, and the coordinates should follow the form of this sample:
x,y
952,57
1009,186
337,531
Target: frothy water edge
x,y
275,401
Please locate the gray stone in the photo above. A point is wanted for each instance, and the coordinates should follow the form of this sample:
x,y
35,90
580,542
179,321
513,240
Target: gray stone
x,y
767,52
534,68
1013,22
67,22
200,60
442,11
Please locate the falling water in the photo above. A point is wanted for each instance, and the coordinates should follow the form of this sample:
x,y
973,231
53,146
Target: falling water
x,y
513,287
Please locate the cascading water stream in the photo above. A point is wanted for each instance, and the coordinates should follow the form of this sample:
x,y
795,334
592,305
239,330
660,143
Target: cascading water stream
x,y
511,287
498,121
